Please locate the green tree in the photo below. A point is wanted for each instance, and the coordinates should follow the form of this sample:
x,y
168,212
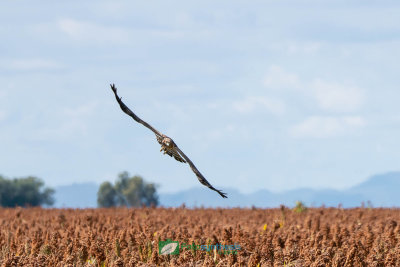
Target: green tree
x,y
127,191
28,191
106,196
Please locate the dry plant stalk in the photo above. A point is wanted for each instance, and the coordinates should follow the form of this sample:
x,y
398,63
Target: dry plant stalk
x,y
129,237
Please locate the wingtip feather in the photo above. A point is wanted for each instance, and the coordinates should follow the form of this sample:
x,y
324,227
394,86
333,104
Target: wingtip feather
x,y
222,194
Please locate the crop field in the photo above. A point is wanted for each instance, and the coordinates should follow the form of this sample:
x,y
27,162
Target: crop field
x,y
200,237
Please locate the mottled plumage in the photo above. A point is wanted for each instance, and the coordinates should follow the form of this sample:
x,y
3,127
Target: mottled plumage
x,y
168,145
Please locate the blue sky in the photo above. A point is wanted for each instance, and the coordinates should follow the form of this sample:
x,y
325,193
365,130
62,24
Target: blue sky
x,y
269,95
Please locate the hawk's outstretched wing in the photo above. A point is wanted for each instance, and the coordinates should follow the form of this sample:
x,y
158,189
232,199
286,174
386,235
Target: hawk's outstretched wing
x,y
199,175
173,151
130,113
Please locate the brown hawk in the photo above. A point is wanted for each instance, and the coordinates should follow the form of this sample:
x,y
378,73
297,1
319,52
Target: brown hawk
x,y
168,145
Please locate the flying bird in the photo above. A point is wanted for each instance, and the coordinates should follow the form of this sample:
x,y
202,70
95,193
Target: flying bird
x,y
168,145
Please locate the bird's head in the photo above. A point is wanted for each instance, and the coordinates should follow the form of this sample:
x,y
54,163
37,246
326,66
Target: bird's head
x,y
167,141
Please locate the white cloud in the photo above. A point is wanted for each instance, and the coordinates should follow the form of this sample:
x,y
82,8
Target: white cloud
x,y
71,122
29,64
303,47
327,96
2,93
2,115
81,111
217,134
327,126
88,31
278,78
251,104
336,97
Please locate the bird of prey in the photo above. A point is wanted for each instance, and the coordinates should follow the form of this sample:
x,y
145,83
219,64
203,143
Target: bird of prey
x,y
168,145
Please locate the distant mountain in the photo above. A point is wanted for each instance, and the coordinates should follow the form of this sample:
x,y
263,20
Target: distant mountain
x,y
76,196
197,197
380,190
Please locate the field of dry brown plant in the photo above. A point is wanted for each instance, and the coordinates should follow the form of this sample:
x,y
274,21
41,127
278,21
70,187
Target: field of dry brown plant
x,y
264,237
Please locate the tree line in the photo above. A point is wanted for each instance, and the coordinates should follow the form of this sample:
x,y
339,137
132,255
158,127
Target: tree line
x,y
130,191
24,192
